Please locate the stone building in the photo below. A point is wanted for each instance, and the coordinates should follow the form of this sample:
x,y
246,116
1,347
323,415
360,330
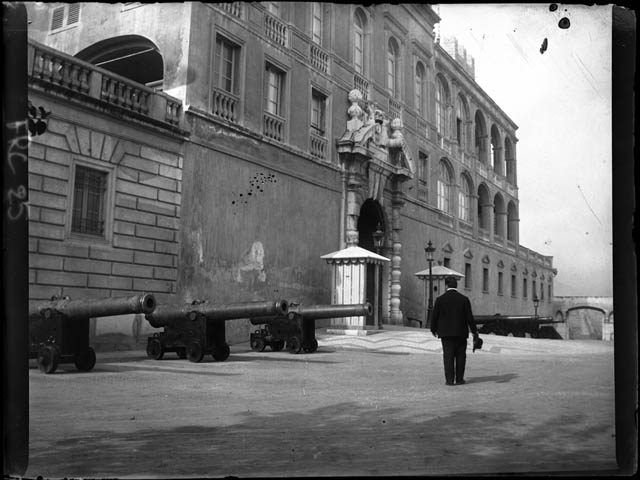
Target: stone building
x,y
217,151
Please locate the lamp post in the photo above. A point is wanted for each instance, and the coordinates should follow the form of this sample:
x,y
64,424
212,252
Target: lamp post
x,y
378,239
536,302
429,249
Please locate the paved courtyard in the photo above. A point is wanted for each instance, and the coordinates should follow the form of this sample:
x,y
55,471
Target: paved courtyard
x,y
373,405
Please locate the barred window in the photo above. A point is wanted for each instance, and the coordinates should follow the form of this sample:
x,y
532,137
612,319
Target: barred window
x,y
89,201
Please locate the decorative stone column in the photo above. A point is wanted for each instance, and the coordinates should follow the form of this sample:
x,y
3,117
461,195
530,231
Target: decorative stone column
x,y
396,258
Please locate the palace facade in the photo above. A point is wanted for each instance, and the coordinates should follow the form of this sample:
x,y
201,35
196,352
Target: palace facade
x,y
217,151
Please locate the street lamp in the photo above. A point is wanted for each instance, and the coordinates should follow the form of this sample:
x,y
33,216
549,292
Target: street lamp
x,y
428,250
378,239
536,302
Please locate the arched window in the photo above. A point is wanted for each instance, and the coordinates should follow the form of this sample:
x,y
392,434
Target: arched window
x,y
442,100
420,89
444,187
393,69
359,26
464,199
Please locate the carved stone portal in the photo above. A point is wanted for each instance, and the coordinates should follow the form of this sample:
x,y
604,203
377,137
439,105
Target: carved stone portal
x,y
375,158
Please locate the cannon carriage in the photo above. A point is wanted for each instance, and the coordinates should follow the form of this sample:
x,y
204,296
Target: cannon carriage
x,y
59,328
516,325
297,328
197,329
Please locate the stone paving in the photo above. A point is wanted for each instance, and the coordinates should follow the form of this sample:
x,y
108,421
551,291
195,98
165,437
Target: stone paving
x,y
374,405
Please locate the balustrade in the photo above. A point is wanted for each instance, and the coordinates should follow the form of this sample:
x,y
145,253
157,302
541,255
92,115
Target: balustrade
x,y
233,8
73,75
362,84
224,105
319,58
395,109
273,126
318,146
275,29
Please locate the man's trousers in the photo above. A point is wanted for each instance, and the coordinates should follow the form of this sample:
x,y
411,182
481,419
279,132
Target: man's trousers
x,y
454,351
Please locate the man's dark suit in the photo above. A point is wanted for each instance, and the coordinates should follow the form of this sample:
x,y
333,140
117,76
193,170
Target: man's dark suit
x,y
451,320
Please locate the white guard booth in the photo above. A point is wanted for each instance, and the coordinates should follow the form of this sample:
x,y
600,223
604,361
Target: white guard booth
x,y
350,283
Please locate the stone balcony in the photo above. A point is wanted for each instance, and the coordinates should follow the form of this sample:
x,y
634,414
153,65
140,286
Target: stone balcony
x,y
80,80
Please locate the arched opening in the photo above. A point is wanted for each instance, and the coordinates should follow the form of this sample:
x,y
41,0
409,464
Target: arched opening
x,y
496,151
498,215
462,122
371,217
512,222
510,161
464,198
484,207
132,56
393,68
481,137
360,50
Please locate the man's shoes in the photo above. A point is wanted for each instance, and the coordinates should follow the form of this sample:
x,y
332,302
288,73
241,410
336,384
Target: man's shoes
x,y
450,384
461,382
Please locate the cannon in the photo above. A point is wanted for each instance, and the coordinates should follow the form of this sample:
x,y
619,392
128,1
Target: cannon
x,y
198,328
297,329
517,325
59,328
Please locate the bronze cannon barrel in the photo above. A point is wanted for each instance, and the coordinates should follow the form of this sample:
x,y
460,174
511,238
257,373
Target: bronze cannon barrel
x,y
93,307
316,312
164,315
492,318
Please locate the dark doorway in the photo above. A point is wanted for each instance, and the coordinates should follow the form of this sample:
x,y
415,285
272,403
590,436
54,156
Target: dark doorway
x,y
370,218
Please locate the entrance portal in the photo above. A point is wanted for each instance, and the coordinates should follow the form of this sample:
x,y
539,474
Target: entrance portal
x,y
370,219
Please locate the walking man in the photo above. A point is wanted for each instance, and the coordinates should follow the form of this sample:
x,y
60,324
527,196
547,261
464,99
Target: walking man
x,y
450,321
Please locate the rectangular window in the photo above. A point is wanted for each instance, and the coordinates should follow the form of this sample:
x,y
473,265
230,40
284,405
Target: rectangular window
x,y
524,288
549,290
500,284
391,73
358,57
467,276
447,262
272,7
318,115
274,85
443,196
533,290
89,194
316,23
459,131
485,280
226,65
513,286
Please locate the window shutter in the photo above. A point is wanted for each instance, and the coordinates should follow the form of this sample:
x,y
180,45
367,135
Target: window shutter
x,y
74,13
57,19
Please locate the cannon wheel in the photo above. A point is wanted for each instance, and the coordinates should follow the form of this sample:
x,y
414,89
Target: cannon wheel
x,y
182,353
311,348
155,349
48,359
85,361
221,352
195,353
258,344
294,345
277,345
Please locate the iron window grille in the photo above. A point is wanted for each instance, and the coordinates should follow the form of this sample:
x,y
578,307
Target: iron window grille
x,y
88,216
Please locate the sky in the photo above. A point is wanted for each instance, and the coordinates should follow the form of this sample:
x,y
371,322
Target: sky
x,y
560,98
